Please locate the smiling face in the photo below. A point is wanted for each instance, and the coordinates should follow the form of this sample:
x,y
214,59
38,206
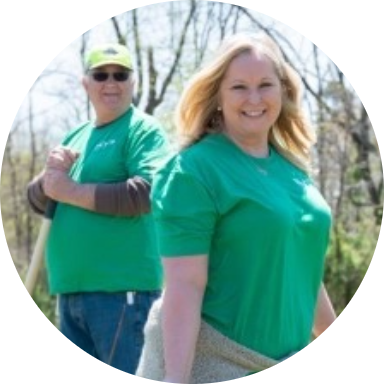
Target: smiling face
x,y
250,97
110,98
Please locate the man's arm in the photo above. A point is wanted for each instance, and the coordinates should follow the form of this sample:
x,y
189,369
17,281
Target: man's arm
x,y
128,198
36,197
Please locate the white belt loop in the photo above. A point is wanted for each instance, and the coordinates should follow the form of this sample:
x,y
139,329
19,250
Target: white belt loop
x,y
130,298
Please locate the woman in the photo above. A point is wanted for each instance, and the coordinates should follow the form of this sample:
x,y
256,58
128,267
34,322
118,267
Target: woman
x,y
242,230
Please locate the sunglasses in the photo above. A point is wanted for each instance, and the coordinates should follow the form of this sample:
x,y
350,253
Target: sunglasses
x,y
104,76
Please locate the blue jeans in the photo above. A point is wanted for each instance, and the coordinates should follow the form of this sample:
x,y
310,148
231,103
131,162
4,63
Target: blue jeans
x,y
108,326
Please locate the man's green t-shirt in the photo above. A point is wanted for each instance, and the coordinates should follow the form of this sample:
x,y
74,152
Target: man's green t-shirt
x,y
265,228
88,251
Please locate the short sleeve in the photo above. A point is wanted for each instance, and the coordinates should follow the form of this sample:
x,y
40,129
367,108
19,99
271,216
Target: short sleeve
x,y
184,213
147,152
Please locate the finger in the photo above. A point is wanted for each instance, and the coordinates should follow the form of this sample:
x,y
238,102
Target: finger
x,y
62,158
70,154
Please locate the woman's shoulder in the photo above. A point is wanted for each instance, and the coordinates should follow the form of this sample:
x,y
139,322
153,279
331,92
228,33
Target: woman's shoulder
x,y
201,154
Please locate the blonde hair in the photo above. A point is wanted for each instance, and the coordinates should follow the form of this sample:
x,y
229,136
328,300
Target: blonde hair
x,y
196,113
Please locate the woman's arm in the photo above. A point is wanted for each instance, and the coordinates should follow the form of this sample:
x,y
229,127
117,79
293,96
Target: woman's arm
x,y
325,314
186,279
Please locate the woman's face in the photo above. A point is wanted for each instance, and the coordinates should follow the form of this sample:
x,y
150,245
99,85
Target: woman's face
x,y
250,97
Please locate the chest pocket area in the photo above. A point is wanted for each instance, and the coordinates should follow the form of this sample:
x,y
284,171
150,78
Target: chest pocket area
x,y
105,162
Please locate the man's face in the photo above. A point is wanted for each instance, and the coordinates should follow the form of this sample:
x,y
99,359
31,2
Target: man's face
x,y
110,89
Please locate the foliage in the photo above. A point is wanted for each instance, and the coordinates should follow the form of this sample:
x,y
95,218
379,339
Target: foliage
x,y
46,304
169,41
348,260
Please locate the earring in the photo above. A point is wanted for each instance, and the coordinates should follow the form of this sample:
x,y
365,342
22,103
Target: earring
x,y
219,108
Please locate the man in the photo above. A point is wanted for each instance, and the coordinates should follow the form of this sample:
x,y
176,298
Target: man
x,y
102,258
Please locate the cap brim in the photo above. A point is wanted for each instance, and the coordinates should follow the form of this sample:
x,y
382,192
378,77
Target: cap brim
x,y
110,62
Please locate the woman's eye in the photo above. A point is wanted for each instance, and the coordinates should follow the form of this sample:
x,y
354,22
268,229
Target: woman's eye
x,y
266,85
239,86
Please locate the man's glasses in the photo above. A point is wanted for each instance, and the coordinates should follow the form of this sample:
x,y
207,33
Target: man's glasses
x,y
104,76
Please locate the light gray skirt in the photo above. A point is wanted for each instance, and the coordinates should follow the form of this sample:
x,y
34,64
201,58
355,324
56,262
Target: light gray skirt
x,y
217,358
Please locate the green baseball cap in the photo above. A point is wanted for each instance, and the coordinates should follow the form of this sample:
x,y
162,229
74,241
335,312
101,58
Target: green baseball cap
x,y
108,54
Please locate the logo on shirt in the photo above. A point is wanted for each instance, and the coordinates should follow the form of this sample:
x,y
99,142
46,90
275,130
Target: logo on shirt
x,y
105,144
262,170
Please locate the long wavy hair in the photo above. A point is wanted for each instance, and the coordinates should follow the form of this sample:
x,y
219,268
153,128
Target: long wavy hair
x,y
197,111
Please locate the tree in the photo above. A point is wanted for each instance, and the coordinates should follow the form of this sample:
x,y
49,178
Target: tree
x,y
169,41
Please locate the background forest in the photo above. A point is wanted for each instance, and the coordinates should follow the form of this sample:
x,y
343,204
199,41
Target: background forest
x,y
169,41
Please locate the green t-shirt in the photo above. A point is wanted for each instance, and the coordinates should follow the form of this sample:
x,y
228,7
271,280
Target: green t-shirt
x,y
88,251
265,228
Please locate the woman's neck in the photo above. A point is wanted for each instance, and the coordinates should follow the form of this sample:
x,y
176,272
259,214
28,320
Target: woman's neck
x,y
254,146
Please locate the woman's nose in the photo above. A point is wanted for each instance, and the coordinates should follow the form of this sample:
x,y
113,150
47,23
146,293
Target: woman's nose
x,y
254,96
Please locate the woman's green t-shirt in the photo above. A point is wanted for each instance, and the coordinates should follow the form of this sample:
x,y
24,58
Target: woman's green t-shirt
x,y
265,228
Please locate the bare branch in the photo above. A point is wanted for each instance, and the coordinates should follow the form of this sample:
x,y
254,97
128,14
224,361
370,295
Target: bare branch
x,y
152,77
139,63
154,102
84,43
120,37
224,18
205,33
281,37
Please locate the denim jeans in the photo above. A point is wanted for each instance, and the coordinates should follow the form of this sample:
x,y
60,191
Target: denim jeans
x,y
108,326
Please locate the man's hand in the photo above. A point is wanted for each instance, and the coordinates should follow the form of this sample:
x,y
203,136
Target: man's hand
x,y
57,184
61,158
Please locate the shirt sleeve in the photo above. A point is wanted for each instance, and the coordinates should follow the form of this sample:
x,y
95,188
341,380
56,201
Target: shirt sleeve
x,y
35,195
128,198
184,213
147,151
